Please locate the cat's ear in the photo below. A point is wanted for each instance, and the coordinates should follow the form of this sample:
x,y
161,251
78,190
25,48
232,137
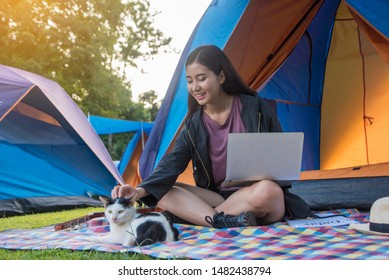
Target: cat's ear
x,y
129,201
105,200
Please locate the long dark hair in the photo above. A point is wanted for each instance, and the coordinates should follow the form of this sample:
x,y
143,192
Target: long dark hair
x,y
216,60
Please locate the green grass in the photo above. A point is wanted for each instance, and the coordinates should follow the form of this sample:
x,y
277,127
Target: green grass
x,y
48,219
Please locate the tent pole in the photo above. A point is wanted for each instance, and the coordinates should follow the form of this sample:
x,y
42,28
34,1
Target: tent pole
x,y
143,140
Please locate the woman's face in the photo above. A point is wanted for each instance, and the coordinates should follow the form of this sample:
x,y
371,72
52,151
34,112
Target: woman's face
x,y
203,84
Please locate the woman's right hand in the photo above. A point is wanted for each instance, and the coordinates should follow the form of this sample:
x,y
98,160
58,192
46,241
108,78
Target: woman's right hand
x,y
126,191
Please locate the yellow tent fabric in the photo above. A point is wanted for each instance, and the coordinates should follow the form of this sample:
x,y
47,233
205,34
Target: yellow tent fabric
x,y
355,99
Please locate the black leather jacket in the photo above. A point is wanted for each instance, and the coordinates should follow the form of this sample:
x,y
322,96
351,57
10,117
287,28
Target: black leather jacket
x,y
191,144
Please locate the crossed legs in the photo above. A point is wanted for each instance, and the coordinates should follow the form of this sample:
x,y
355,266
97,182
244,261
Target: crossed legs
x,y
265,198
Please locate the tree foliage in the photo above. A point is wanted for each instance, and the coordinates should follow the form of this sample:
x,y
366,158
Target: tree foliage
x,y
84,45
150,101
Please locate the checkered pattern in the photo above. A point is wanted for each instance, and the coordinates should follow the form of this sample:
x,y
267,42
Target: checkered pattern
x,y
275,242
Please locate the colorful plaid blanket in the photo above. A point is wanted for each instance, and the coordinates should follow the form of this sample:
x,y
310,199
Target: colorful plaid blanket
x,y
274,242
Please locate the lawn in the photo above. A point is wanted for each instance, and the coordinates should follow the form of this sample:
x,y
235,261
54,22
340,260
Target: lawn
x,y
47,219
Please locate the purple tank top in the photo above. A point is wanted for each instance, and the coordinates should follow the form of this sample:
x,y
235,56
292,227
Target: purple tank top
x,y
217,139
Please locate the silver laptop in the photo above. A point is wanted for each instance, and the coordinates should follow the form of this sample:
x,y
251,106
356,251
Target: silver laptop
x,y
252,157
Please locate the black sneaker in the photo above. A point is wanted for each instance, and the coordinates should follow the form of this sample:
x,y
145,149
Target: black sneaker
x,y
220,220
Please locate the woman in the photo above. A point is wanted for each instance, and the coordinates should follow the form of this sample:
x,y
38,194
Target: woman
x,y
219,103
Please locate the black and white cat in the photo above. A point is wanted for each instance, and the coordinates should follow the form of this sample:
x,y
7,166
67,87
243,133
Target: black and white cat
x,y
130,228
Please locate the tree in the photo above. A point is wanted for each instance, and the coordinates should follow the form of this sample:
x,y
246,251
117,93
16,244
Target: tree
x,y
84,45
150,101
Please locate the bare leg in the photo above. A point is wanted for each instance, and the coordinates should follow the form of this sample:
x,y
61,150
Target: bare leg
x,y
265,198
192,204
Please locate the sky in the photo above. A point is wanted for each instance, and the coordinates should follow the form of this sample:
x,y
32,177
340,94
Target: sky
x,y
177,19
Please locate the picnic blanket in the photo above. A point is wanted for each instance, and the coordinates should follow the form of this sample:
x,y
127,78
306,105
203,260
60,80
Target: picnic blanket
x,y
273,242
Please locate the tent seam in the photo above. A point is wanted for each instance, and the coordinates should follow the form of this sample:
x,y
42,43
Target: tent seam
x,y
17,102
364,96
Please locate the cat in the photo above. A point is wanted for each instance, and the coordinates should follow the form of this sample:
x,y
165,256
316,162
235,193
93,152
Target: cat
x,y
130,228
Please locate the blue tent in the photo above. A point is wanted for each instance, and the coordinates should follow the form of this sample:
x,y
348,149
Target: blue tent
x,y
50,156
140,129
288,51
323,65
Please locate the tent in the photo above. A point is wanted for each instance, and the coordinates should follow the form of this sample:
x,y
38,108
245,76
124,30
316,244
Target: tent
x,y
128,165
50,156
322,64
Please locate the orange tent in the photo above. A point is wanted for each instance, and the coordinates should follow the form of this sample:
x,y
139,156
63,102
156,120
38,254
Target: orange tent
x,y
323,66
